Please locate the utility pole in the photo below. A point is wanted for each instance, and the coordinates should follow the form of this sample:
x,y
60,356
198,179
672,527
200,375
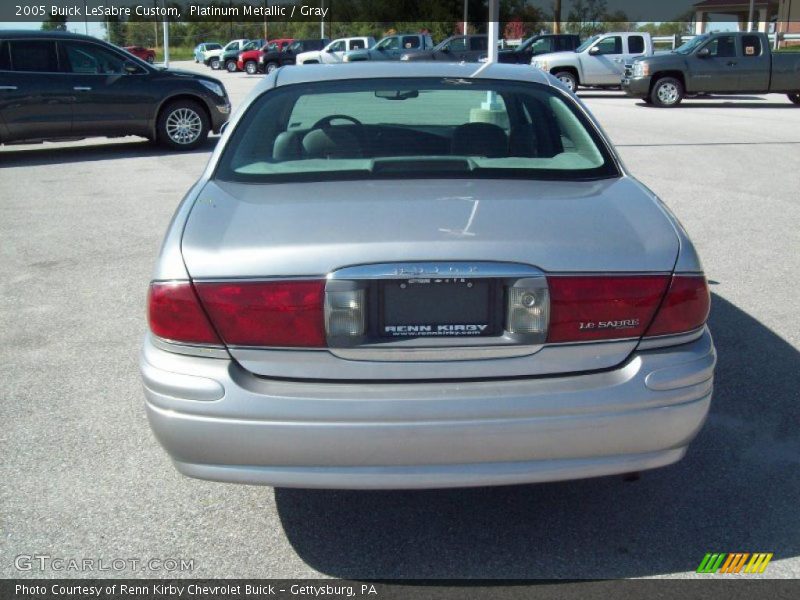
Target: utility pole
x,y
166,44
556,16
494,29
155,26
266,6
752,15
466,16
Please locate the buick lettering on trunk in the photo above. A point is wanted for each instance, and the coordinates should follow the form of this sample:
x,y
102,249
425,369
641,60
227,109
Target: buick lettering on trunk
x,y
305,334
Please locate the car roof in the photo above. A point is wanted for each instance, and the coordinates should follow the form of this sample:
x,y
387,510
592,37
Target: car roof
x,y
383,70
9,34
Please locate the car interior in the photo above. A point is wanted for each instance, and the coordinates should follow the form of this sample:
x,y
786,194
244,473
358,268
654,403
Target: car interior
x,y
518,126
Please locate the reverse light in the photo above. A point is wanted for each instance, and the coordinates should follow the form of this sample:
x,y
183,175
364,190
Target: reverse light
x,y
345,310
266,313
174,313
528,308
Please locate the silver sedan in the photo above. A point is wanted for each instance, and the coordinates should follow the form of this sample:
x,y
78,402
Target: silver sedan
x,y
423,275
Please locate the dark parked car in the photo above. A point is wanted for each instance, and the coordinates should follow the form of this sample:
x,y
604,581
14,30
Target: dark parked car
x,y
457,48
536,45
273,59
229,59
728,63
56,85
147,54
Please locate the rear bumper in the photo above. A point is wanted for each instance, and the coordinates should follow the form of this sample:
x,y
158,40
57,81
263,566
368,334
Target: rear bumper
x,y
636,87
219,422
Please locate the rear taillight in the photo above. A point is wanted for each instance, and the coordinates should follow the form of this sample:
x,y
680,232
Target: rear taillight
x,y
685,308
589,308
174,313
266,313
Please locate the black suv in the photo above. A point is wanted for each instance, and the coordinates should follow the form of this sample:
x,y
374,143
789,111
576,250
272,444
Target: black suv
x,y
56,85
536,45
272,59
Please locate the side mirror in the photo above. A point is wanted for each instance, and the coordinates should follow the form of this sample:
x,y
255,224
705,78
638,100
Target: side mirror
x,y
594,51
446,49
382,49
703,53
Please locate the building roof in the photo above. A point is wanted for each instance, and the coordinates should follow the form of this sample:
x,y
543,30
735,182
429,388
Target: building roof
x,y
734,4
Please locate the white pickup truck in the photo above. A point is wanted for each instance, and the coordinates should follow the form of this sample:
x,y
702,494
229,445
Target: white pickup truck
x,y
598,62
334,52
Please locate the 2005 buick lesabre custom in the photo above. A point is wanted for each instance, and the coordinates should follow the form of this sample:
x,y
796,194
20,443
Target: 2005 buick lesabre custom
x,y
423,275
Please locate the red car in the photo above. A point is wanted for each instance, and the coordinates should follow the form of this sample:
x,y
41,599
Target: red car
x,y
143,53
248,60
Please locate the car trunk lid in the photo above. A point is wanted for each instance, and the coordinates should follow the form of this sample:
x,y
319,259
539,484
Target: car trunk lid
x,y
309,231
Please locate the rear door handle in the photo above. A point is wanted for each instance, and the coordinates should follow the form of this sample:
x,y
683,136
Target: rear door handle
x,y
732,63
82,88
8,88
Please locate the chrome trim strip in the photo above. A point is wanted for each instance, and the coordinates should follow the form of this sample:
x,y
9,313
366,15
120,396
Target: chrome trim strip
x,y
189,349
662,341
444,269
441,354
338,274
265,279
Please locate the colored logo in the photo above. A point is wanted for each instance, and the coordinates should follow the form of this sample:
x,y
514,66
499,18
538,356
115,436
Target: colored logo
x,y
734,562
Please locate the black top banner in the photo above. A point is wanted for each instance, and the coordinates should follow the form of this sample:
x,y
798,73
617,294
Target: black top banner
x,y
384,11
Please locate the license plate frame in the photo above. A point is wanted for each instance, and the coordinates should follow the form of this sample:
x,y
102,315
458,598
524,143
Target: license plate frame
x,y
438,308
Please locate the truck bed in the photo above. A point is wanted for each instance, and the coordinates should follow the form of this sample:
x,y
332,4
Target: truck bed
x,y
785,72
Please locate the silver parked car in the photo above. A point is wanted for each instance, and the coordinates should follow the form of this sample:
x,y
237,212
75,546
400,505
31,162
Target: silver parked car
x,y
423,275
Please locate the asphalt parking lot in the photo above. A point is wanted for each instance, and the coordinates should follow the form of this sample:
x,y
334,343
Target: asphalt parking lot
x,y
83,477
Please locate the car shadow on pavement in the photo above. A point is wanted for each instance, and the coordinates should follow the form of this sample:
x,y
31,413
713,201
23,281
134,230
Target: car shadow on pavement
x,y
736,490
725,102
47,154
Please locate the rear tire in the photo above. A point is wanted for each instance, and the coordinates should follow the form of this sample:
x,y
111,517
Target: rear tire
x,y
271,66
214,64
795,98
231,67
183,125
667,92
568,79
251,67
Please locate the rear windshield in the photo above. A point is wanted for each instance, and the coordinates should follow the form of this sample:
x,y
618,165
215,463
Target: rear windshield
x,y
401,128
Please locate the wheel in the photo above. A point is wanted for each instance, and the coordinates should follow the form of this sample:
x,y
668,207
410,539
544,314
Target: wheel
x,y
183,125
568,79
151,59
667,92
251,67
230,66
214,64
794,98
271,66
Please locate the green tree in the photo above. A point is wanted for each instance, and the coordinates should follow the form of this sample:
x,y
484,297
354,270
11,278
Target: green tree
x,y
55,23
